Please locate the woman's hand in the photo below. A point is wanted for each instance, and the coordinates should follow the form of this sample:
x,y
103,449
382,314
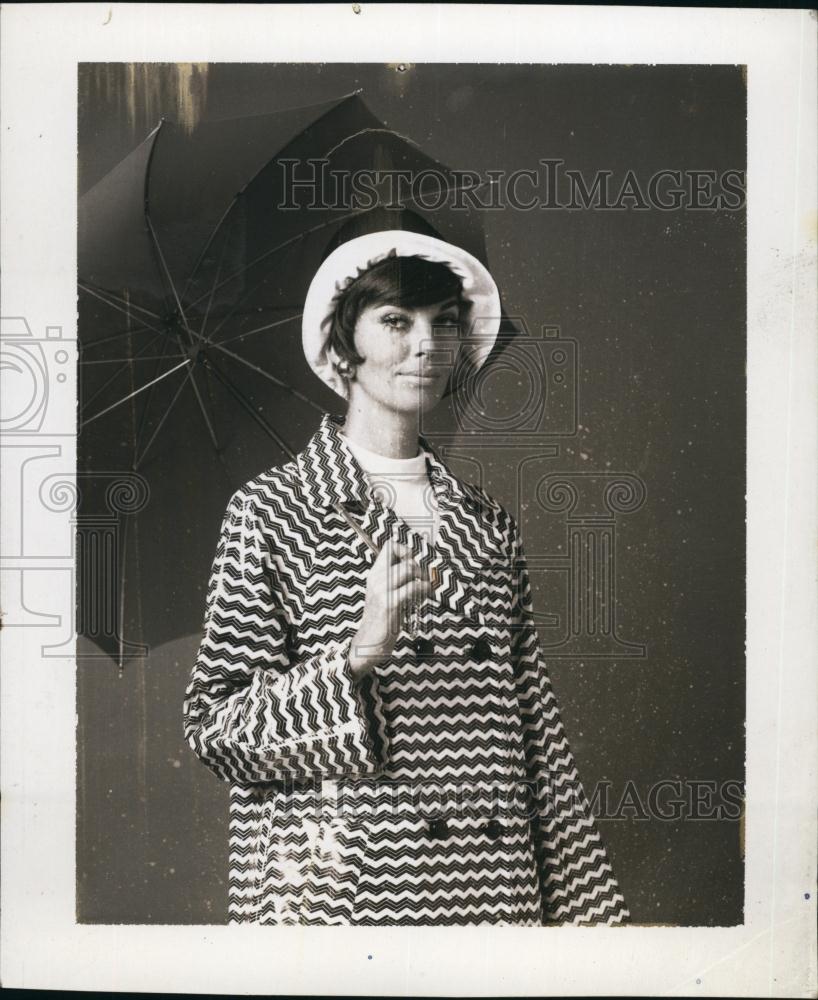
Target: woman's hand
x,y
394,583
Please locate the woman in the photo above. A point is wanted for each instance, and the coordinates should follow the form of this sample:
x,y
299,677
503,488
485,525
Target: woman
x,y
369,680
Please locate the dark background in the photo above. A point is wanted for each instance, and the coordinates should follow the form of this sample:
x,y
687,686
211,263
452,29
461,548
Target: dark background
x,y
656,302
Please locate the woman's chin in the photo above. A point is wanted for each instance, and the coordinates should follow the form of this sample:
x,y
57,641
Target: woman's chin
x,y
404,396
418,399
420,393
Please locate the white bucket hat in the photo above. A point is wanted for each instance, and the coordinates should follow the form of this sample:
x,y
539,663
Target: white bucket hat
x,y
345,262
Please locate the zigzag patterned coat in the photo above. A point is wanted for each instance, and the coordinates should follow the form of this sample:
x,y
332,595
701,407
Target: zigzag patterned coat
x,y
440,789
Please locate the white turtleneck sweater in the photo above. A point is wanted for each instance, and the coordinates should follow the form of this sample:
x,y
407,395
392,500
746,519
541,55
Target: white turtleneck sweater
x,y
403,484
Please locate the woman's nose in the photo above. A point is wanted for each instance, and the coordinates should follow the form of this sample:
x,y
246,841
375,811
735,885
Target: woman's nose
x,y
422,335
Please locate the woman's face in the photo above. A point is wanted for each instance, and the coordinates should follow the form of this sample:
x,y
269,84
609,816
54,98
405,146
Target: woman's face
x,y
407,362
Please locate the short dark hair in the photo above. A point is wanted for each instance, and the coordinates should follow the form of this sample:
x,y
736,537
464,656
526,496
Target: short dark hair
x,y
410,282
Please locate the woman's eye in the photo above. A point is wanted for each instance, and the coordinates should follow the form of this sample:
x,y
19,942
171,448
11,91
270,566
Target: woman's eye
x,y
394,320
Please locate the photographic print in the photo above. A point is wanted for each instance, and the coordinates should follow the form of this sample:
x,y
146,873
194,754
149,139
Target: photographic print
x,y
559,736
408,499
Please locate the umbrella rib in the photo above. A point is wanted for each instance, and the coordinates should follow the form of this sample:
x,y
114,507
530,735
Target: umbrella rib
x,y
248,406
135,357
116,374
258,329
116,336
143,418
124,308
205,414
86,286
136,392
167,274
281,246
333,101
363,131
272,378
200,401
212,290
277,381
138,459
207,246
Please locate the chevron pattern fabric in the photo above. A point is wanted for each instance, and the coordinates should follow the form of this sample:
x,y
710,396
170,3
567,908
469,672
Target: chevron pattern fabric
x,y
440,789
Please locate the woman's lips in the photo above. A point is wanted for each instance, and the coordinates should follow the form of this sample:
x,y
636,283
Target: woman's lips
x,y
420,378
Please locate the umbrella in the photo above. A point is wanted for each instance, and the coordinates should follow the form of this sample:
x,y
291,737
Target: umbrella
x,y
194,258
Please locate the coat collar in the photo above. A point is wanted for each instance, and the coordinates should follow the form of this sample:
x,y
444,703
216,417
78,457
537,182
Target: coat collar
x,y
468,532
331,474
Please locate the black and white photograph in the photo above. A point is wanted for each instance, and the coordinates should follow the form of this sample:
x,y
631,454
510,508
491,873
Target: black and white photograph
x,y
417,540
455,353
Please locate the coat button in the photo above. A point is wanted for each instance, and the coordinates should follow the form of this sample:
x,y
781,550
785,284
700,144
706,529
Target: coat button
x,y
494,829
438,829
423,647
481,650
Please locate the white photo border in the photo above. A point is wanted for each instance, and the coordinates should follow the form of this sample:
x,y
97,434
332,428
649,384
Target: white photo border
x,y
774,952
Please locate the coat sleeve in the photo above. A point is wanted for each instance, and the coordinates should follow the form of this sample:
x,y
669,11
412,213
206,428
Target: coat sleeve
x,y
250,712
577,883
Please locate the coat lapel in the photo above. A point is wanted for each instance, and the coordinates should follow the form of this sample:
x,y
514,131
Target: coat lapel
x,y
468,532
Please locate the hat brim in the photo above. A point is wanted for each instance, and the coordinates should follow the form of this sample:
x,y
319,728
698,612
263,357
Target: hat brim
x,y
344,264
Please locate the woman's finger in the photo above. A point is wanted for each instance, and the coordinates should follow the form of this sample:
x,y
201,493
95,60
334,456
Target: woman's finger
x,y
392,552
399,573
415,590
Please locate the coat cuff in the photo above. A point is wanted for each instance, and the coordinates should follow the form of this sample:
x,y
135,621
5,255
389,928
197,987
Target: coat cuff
x,y
321,719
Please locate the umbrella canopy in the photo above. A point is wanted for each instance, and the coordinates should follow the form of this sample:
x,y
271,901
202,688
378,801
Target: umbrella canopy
x,y
195,254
